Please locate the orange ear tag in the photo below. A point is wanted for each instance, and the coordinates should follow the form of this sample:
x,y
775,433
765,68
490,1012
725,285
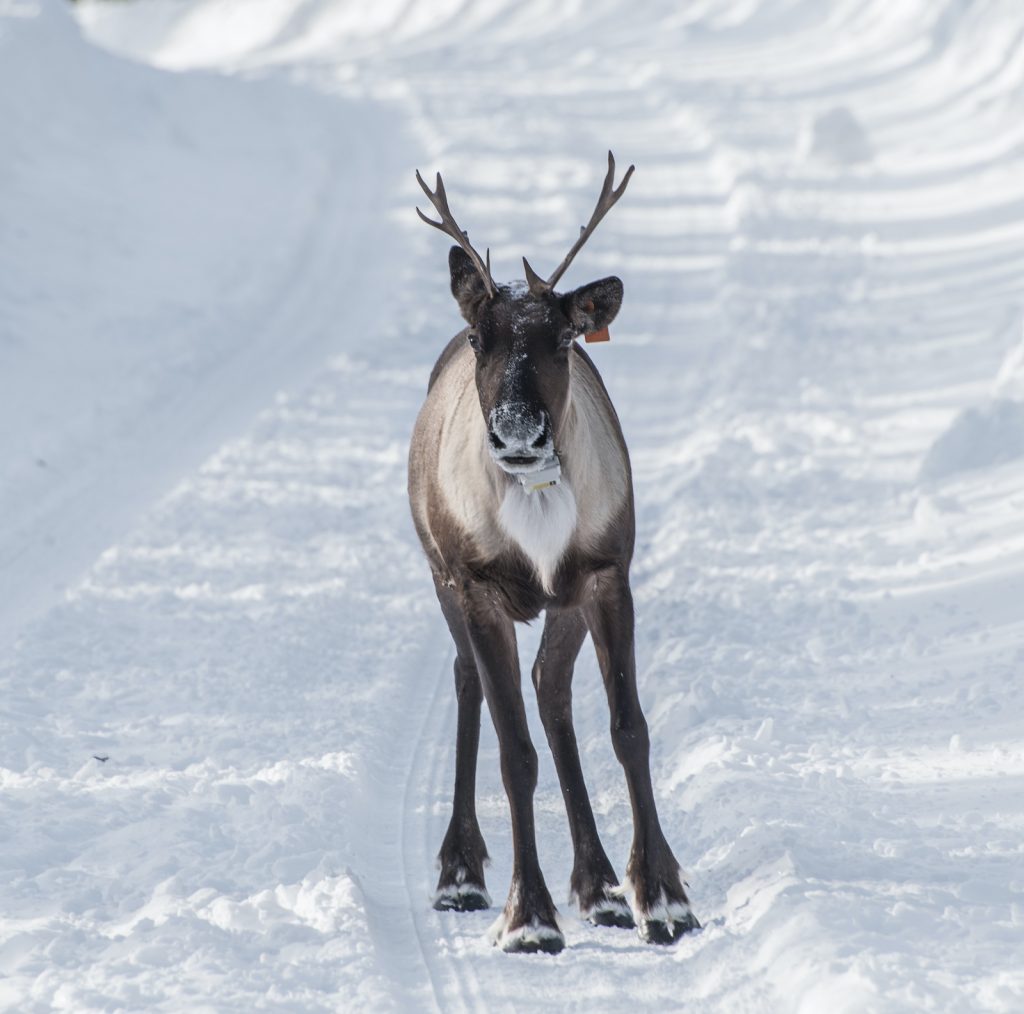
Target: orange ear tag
x,y
598,336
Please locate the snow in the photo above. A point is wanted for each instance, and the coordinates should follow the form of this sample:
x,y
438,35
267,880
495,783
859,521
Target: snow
x,y
218,312
977,438
835,136
147,311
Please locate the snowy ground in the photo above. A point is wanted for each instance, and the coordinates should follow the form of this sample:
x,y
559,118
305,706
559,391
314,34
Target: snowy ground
x,y
217,315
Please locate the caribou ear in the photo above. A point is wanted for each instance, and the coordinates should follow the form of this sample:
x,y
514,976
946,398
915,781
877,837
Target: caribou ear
x,y
593,307
468,287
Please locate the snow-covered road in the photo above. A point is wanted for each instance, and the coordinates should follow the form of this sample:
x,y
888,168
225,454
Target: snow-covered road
x,y
217,316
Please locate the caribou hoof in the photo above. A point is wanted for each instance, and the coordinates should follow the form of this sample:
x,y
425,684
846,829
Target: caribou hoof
x,y
609,910
464,897
664,919
533,938
666,922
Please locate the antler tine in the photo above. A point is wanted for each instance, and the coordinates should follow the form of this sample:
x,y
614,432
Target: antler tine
x,y
439,199
605,201
533,280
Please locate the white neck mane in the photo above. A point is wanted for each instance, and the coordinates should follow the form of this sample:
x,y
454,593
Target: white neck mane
x,y
541,524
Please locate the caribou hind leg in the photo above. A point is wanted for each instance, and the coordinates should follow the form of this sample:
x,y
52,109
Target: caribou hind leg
x,y
661,906
528,922
460,888
593,882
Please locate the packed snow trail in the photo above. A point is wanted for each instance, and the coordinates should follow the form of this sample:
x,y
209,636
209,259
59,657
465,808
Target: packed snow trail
x,y
820,370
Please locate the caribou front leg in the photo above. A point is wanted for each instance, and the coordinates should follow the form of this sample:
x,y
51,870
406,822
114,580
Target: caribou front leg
x,y
593,880
662,909
460,887
528,922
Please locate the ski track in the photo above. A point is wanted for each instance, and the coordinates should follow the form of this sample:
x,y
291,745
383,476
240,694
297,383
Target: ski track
x,y
415,858
423,826
820,370
397,930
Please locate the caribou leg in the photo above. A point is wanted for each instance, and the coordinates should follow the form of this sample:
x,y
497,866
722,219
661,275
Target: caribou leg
x,y
463,854
661,907
593,880
528,922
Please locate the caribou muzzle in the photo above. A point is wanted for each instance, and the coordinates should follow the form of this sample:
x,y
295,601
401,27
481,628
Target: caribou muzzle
x,y
519,437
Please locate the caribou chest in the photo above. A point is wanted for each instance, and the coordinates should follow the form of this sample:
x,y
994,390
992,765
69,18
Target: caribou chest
x,y
541,523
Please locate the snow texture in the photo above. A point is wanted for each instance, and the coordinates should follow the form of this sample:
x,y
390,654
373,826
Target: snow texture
x,y
227,715
835,136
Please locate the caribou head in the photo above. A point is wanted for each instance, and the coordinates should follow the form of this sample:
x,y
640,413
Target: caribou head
x,y
521,334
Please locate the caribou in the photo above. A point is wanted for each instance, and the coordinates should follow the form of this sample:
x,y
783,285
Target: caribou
x,y
521,494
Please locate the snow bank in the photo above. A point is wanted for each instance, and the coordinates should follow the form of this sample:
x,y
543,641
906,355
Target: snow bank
x,y
989,434
978,438
153,227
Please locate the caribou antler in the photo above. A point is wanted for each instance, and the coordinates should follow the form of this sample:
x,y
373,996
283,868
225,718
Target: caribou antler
x,y
605,200
448,225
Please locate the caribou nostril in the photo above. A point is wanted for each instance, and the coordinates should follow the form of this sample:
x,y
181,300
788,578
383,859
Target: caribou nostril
x,y
543,438
496,441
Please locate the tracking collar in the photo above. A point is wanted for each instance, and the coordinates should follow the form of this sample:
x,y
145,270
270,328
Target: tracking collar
x,y
543,478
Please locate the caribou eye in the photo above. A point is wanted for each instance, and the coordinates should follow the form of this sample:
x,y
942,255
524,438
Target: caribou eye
x,y
474,339
566,338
